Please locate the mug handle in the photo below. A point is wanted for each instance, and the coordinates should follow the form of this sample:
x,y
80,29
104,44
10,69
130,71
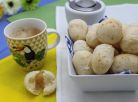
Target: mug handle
x,y
49,32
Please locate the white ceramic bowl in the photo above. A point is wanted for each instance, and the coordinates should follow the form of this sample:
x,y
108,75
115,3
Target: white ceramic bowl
x,y
110,82
89,17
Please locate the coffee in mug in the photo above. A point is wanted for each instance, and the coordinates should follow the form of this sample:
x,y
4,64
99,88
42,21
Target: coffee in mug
x,y
25,32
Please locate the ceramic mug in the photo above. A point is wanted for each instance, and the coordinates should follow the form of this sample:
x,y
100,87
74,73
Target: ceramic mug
x,y
90,18
30,52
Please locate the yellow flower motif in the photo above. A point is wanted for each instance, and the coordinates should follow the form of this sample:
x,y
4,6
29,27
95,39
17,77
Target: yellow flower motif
x,y
1,10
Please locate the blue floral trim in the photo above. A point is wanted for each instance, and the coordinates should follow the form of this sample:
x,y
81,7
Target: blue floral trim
x,y
126,72
69,43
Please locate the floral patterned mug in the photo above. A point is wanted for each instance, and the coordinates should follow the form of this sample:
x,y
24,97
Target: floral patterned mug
x,y
29,52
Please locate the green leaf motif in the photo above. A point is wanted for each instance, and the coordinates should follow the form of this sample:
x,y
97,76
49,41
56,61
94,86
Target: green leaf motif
x,y
40,55
29,4
20,62
20,59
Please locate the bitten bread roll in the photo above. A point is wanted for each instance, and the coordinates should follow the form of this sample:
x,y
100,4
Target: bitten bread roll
x,y
124,62
129,43
40,81
82,62
77,29
91,37
102,58
109,31
80,45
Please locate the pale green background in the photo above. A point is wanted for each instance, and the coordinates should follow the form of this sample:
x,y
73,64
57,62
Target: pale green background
x,y
47,12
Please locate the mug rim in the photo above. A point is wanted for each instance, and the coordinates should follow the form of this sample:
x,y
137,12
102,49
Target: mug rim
x,y
26,38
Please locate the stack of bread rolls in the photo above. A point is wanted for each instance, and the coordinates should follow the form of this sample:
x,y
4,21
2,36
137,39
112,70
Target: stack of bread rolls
x,y
109,47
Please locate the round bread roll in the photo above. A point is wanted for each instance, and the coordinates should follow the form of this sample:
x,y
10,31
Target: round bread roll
x,y
124,27
124,62
91,37
29,82
109,31
102,58
80,45
118,48
82,62
77,29
38,81
116,52
50,84
129,43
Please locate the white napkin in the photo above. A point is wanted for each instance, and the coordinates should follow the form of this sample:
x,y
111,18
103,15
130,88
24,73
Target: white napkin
x,y
127,13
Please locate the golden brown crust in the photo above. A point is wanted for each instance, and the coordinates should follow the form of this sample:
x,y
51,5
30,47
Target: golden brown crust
x,y
109,31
